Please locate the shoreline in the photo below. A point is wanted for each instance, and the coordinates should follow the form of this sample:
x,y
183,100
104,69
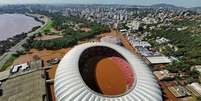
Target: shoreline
x,y
26,32
35,18
9,42
18,46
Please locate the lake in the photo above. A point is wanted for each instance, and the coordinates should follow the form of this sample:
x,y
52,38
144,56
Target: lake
x,y
13,24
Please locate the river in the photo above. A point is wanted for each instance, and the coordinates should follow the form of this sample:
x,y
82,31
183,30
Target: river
x,y
13,24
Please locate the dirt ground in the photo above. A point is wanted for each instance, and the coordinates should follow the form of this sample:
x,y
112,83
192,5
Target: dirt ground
x,y
48,37
167,94
55,30
122,38
43,54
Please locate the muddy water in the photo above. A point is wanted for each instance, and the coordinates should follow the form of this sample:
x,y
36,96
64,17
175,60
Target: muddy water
x,y
110,78
13,24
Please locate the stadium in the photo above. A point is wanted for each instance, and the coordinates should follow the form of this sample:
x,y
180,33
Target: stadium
x,y
104,71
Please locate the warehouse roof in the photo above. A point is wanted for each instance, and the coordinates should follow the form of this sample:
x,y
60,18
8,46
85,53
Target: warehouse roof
x,y
196,87
158,59
4,75
26,87
179,91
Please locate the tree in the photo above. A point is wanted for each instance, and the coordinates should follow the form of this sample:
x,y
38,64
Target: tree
x,y
194,74
46,31
168,51
198,98
179,67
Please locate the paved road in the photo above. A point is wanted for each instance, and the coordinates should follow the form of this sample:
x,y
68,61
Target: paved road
x,y
5,57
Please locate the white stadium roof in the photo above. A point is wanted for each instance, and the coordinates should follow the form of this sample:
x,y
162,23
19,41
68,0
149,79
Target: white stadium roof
x,y
69,85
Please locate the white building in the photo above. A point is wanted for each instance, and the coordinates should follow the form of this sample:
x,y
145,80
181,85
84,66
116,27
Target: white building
x,y
163,75
141,44
162,40
148,20
134,25
196,87
16,68
152,60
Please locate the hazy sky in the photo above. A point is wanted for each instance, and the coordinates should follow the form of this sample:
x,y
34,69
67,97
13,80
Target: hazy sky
x,y
184,3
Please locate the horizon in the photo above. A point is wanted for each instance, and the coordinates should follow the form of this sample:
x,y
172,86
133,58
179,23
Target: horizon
x,y
178,3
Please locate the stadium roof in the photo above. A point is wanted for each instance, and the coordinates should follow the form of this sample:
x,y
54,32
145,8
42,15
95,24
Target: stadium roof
x,y
69,84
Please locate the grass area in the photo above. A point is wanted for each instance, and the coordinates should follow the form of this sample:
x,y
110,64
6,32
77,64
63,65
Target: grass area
x,y
48,27
8,63
49,24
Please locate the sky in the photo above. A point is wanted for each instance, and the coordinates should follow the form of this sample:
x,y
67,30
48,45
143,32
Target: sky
x,y
182,3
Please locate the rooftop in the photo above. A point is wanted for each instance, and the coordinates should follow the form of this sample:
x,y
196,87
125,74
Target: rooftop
x,y
179,91
163,75
26,87
4,75
158,59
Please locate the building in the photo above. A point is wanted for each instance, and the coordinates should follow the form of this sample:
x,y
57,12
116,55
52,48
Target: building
x,y
147,53
53,61
162,40
123,30
23,85
195,88
77,77
26,87
37,64
22,67
179,91
164,75
148,20
141,44
134,25
4,75
154,60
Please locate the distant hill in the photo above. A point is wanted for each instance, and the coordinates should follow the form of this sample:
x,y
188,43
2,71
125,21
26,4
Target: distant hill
x,y
169,6
164,5
196,9
155,6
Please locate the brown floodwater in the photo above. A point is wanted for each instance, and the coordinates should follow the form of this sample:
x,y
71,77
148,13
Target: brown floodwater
x,y
13,24
105,71
111,77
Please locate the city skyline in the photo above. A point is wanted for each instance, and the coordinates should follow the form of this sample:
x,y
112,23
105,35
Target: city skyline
x,y
180,3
